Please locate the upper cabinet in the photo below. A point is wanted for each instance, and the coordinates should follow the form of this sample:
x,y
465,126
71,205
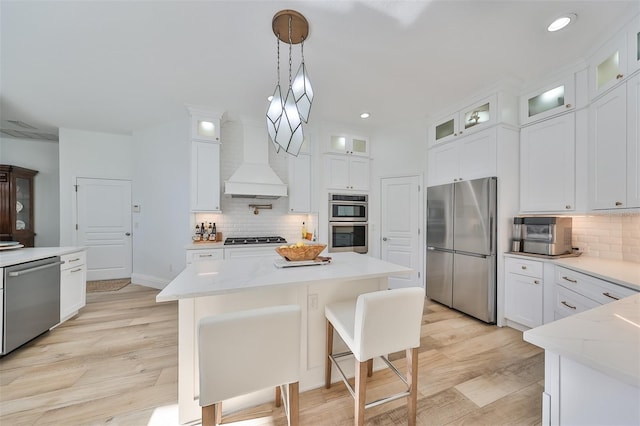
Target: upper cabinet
x,y
299,183
552,99
497,108
613,148
352,145
615,60
205,160
346,172
547,165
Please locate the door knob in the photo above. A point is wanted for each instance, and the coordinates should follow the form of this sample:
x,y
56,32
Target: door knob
x,y
127,233
384,238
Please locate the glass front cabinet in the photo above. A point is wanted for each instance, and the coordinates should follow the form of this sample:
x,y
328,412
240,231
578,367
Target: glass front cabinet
x,y
474,117
548,101
17,204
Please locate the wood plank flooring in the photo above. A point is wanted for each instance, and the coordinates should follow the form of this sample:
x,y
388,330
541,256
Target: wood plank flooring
x,y
116,364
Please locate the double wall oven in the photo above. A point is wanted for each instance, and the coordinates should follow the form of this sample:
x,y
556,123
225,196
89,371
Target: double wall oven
x,y
348,228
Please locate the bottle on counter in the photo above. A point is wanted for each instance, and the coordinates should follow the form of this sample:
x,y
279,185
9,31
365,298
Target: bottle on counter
x,y
214,234
205,233
304,231
197,234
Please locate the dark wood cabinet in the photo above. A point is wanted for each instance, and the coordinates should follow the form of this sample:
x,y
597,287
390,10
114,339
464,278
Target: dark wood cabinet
x,y
17,204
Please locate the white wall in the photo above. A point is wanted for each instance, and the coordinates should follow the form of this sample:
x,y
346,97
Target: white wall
x,y
43,157
90,155
161,188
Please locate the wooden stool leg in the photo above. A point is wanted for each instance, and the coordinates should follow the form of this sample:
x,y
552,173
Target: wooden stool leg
x,y
327,361
278,396
412,380
370,368
212,414
360,393
294,404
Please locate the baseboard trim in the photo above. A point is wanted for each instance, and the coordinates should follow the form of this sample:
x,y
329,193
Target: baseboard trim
x,y
149,281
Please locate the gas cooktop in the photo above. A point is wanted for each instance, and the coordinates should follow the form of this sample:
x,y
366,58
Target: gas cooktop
x,y
254,240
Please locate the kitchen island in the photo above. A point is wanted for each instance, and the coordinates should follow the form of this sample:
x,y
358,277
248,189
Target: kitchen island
x,y
217,286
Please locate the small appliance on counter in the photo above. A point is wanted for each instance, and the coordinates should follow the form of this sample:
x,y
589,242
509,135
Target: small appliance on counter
x,y
548,235
516,241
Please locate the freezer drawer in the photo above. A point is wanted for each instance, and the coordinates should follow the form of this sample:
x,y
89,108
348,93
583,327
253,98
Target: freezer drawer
x,y
474,291
439,275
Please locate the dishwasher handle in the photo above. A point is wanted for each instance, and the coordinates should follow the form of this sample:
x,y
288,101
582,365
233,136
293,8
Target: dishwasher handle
x,y
34,269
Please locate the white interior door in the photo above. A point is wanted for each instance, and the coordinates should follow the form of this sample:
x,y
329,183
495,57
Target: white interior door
x,y
401,201
104,226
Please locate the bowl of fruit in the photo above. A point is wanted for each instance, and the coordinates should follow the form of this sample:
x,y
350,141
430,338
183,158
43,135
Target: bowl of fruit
x,y
300,251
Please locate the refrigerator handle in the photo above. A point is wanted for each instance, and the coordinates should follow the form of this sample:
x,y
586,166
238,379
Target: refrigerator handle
x,y
491,234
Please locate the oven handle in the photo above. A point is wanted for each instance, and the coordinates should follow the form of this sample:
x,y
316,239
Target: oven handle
x,y
34,269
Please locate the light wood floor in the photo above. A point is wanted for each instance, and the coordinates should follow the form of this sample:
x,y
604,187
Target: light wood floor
x,y
116,364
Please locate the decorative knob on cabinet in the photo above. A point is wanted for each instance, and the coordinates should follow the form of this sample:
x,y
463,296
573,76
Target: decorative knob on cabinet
x,y
569,106
619,76
523,267
568,206
384,238
618,203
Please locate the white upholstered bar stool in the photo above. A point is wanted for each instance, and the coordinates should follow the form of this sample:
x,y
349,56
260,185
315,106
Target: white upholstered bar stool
x,y
375,325
247,351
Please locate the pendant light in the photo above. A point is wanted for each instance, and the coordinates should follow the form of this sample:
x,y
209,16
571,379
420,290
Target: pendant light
x,y
285,116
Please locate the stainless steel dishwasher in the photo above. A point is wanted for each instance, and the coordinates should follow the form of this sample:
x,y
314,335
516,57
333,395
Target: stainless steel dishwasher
x,y
31,301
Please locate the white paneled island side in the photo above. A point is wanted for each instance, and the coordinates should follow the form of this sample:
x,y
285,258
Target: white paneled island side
x,y
217,286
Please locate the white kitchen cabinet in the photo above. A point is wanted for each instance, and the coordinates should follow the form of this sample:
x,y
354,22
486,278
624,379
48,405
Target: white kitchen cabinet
x,y
616,60
205,124
199,255
524,286
343,172
474,117
73,284
299,183
240,252
349,145
552,99
547,165
613,148
205,176
470,157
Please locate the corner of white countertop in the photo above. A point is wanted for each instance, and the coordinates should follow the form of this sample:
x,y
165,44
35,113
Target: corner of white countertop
x,y
29,254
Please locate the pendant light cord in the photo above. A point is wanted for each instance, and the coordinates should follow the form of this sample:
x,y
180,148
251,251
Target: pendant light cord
x,y
290,45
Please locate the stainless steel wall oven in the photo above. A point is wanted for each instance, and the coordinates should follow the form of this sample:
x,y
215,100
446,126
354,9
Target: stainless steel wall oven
x,y
348,228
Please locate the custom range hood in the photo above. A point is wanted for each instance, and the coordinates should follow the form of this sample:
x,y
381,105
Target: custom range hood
x,y
255,178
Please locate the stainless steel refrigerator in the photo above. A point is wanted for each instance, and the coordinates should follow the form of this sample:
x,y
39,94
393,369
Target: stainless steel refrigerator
x,y
461,246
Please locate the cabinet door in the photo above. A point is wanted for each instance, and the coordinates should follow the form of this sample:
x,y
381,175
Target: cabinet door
x,y
359,174
205,176
443,164
608,66
359,146
548,101
299,183
477,155
547,165
633,44
336,171
73,284
444,129
633,142
477,116
523,299
608,150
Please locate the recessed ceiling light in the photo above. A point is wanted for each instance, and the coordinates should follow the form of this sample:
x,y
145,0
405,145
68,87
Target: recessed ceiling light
x,y
365,115
562,22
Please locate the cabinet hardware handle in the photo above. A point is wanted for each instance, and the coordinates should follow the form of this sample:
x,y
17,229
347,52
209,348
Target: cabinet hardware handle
x,y
610,296
536,282
73,260
619,76
523,267
570,280
618,203
567,305
205,255
127,233
568,206
76,270
569,105
460,132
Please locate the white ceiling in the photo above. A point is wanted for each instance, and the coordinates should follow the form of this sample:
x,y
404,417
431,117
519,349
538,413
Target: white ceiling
x,y
120,66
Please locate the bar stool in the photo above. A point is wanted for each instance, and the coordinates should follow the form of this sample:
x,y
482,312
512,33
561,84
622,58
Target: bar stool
x,y
375,325
247,351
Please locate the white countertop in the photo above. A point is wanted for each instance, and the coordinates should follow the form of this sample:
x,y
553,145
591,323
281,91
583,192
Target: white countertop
x,y
234,275
606,338
617,271
22,255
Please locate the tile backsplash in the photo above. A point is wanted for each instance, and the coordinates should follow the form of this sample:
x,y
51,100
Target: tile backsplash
x,y
611,236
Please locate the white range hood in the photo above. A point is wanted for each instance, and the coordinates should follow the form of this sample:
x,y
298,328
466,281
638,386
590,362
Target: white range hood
x,y
255,178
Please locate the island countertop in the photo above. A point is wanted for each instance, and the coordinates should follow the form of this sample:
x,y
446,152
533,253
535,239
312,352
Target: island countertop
x,y
214,277
22,255
606,338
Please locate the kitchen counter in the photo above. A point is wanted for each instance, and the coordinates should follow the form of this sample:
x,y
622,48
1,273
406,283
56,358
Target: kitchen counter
x,y
22,255
216,277
212,287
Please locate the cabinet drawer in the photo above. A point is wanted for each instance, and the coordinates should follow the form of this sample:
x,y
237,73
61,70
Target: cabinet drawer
x,y
201,255
570,303
530,268
594,288
73,260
